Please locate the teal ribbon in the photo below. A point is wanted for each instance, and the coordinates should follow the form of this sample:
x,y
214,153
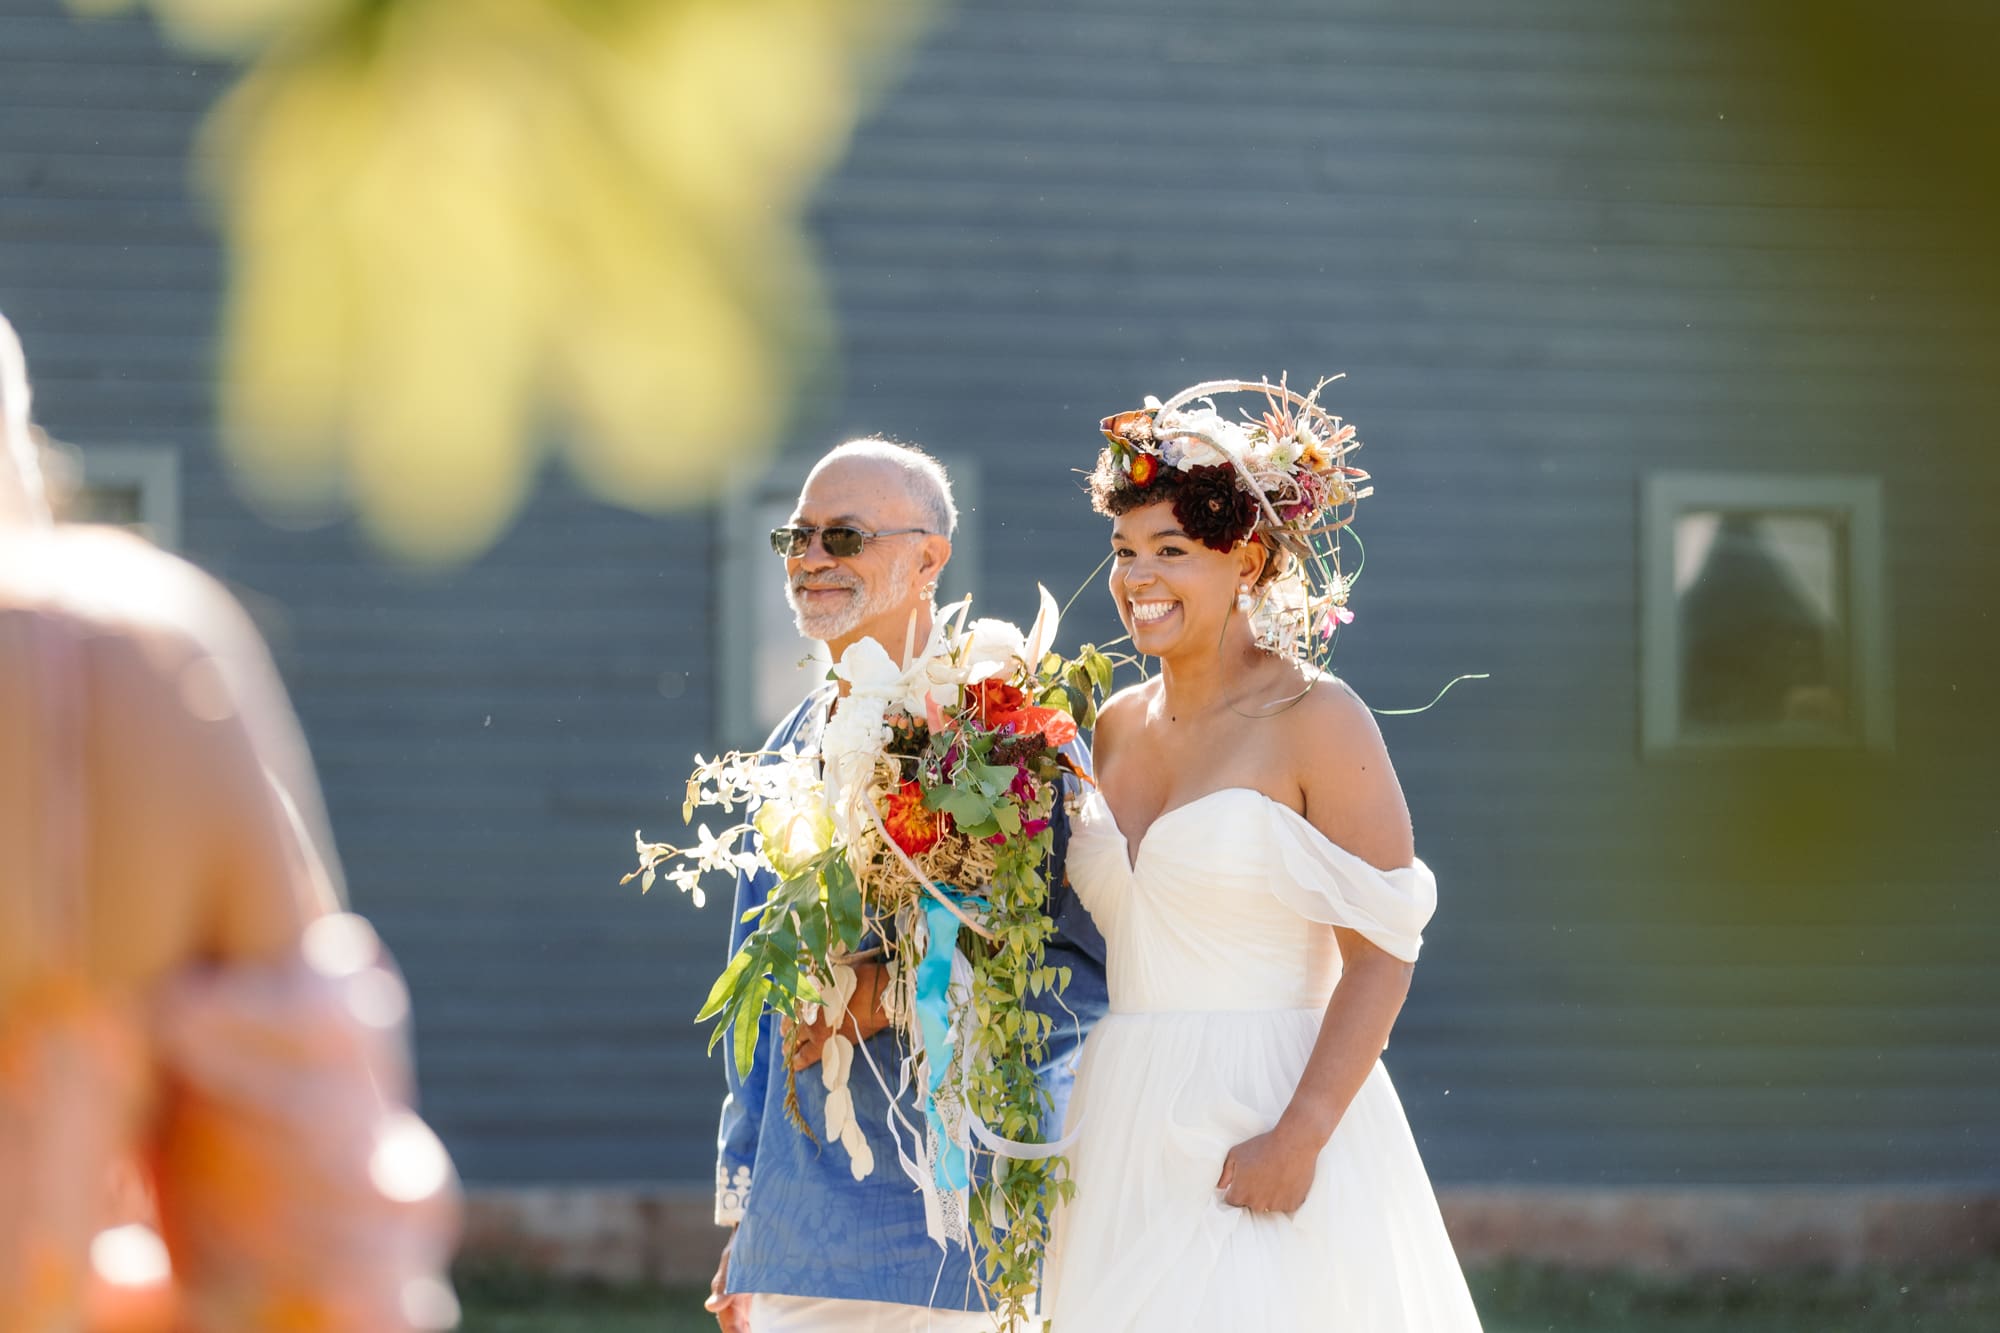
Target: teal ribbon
x,y
933,985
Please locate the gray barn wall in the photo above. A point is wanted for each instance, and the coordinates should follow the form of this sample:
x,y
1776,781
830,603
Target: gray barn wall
x,y
1555,245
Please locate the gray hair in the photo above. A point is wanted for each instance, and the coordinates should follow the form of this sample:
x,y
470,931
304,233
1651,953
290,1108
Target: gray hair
x,y
923,476
21,498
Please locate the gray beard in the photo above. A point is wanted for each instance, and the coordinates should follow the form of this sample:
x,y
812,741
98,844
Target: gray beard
x,y
826,626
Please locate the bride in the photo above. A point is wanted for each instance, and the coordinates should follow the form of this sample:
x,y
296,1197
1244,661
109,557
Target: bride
x,y
1241,1158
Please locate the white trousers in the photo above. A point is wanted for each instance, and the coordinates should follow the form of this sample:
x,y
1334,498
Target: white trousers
x,y
808,1314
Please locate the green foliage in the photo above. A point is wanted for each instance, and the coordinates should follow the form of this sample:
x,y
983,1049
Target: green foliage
x,y
802,918
1010,1213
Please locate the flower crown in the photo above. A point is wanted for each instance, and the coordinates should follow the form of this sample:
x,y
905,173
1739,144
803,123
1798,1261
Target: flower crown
x,y
1281,478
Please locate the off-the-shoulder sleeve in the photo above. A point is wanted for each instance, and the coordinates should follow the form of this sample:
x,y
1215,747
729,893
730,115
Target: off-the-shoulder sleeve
x,y
1325,882
297,1186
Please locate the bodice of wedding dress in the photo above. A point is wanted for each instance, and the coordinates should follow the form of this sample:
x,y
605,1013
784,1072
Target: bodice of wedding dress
x,y
1207,912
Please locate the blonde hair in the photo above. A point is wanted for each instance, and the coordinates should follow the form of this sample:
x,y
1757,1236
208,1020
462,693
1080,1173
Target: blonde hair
x,y
21,497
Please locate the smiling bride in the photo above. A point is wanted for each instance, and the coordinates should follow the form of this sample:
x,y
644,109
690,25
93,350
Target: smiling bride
x,y
1242,1160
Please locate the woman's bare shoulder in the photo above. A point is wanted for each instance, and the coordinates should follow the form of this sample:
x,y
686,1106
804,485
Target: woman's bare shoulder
x,y
172,636
1132,699
112,580
1120,715
1351,790
190,730
1333,713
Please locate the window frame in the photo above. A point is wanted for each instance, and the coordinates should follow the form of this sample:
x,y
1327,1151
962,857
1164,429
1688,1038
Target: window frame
x,y
153,469
1664,497
747,567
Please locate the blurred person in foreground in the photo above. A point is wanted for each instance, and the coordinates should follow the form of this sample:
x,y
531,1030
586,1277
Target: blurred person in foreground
x,y
182,1005
815,1249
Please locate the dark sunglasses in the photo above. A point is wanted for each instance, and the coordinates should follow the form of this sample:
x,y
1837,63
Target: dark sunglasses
x,y
840,540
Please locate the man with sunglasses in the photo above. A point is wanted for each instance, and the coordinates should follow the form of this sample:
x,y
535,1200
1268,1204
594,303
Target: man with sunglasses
x,y
814,1249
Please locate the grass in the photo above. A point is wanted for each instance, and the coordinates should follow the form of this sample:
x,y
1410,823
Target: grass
x,y
1512,1299
1962,1299
508,1301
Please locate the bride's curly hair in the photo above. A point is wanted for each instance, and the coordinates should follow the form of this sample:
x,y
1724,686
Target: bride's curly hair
x,y
1209,503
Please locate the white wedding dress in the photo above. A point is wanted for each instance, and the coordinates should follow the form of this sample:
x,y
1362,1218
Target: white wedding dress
x,y
1220,965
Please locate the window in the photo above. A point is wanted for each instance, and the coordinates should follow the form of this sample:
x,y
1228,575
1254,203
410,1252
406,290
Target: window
x,y
135,487
763,666
1763,616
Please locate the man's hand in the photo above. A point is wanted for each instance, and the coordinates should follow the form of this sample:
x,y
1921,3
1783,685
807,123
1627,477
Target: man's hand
x,y
731,1312
1272,1173
865,1017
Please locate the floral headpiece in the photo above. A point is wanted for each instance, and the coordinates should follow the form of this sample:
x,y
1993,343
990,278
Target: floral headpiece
x,y
1282,478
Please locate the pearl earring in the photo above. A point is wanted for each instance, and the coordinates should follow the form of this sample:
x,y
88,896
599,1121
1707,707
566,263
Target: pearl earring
x,y
1244,601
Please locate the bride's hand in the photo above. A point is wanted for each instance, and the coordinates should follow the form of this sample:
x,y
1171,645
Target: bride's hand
x,y
1271,1173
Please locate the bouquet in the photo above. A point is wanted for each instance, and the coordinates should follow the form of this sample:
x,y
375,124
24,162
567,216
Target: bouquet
x,y
918,833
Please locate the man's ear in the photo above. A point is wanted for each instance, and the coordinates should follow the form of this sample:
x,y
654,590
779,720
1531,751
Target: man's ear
x,y
937,554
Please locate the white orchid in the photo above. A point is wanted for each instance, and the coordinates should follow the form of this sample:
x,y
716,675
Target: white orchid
x,y
688,880
734,780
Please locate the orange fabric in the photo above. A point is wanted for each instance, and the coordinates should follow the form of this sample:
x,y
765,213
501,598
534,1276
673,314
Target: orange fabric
x,y
295,1189
71,1073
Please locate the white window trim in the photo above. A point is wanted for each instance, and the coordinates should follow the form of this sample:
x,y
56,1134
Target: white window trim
x,y
1664,497
154,469
744,559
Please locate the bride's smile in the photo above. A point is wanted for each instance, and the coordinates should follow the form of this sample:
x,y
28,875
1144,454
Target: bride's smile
x,y
1172,592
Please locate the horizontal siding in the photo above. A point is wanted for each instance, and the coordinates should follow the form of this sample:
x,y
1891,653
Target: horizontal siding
x,y
1556,246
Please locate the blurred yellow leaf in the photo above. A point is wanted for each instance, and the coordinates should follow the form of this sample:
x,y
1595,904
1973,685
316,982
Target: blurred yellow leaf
x,y
459,229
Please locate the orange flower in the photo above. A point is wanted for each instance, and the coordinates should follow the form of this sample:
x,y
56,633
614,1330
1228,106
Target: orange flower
x,y
990,698
915,829
1051,724
1144,468
997,704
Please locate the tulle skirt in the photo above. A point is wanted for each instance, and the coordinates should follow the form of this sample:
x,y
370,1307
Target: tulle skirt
x,y
1148,1243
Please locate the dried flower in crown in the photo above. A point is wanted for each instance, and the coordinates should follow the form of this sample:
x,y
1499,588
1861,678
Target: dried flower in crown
x,y
1290,461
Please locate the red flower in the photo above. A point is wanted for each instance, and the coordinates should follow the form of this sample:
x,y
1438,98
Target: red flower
x,y
1051,724
999,705
1312,497
915,829
1144,468
991,697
